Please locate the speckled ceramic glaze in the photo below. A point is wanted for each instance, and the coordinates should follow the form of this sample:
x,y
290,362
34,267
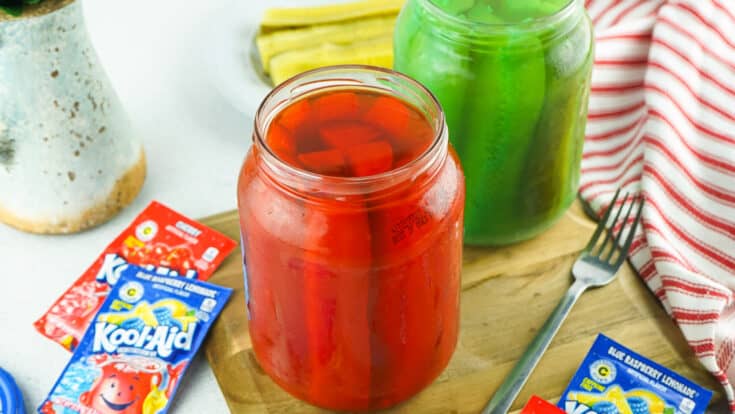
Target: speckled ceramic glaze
x,y
68,158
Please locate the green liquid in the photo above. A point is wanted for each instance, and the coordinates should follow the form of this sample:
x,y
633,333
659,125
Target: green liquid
x,y
505,11
515,102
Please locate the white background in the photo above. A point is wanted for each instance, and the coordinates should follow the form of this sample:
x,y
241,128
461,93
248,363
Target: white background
x,y
156,54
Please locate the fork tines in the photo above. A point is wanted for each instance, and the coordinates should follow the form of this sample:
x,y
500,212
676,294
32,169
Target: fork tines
x,y
616,229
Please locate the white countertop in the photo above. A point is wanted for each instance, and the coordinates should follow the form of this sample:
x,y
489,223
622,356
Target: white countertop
x,y
154,53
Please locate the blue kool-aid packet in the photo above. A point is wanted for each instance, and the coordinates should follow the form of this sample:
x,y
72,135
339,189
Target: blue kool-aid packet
x,y
615,380
133,355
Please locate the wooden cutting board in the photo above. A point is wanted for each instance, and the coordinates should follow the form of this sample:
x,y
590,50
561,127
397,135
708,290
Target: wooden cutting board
x,y
507,295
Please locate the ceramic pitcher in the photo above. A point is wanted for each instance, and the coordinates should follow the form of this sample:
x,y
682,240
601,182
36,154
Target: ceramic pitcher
x,y
68,157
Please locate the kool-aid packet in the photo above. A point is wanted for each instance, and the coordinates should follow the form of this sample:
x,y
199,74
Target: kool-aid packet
x,y
615,380
138,346
159,239
537,405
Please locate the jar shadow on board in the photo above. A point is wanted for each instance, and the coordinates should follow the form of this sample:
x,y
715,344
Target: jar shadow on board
x,y
351,206
513,78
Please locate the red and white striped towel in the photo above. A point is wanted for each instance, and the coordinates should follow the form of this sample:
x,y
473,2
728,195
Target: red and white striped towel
x,y
662,122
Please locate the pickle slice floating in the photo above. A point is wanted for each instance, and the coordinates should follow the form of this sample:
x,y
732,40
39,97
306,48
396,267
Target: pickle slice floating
x,y
281,141
343,135
518,11
296,115
329,162
306,16
455,6
337,106
483,13
369,159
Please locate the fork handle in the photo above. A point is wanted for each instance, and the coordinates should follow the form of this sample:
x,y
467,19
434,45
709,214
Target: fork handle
x,y
511,387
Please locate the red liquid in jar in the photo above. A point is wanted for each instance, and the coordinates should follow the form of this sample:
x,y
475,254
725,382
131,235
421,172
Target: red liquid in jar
x,y
349,134
353,303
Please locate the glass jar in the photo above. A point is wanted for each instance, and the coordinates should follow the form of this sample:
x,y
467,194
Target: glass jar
x,y
513,79
352,284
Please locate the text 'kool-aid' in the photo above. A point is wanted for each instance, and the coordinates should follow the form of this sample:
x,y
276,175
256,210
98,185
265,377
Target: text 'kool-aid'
x,y
160,240
138,346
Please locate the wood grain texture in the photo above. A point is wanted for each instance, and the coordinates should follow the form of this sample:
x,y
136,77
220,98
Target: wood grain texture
x,y
507,295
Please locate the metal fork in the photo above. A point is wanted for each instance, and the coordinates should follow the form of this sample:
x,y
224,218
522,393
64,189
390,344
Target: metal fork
x,y
596,267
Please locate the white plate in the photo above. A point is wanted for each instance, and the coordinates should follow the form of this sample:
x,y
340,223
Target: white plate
x,y
232,50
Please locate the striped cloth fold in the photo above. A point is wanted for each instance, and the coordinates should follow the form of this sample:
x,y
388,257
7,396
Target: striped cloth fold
x,y
662,123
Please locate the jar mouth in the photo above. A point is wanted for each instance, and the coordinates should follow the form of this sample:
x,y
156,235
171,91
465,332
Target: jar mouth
x,y
532,24
338,78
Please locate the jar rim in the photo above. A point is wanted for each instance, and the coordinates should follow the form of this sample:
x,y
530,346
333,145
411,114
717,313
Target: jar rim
x,y
263,118
535,24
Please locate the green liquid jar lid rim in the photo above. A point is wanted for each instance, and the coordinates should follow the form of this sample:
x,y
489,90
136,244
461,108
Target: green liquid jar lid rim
x,y
501,11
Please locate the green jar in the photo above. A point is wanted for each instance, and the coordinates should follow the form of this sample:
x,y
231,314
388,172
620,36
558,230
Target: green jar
x,y
513,77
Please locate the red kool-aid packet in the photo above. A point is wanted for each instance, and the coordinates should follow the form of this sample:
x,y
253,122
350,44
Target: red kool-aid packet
x,y
537,405
159,240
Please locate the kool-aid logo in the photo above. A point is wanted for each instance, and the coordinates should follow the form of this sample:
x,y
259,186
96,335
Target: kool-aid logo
x,y
114,265
111,269
162,340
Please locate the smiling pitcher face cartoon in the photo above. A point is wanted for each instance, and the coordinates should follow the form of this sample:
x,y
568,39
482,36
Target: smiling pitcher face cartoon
x,y
120,392
122,387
